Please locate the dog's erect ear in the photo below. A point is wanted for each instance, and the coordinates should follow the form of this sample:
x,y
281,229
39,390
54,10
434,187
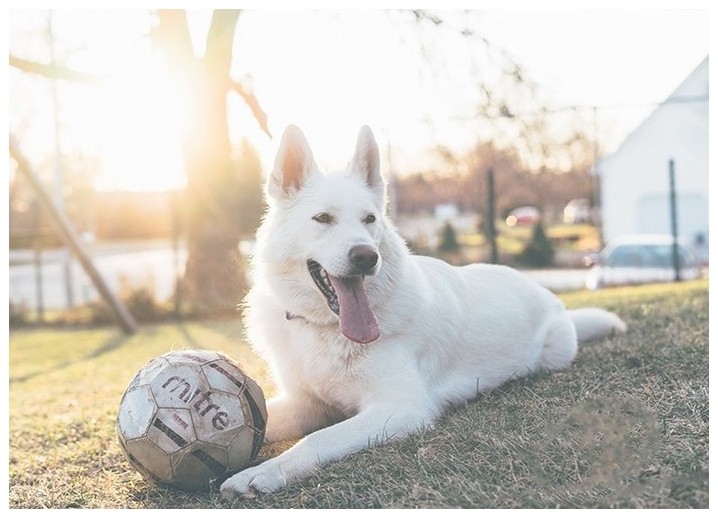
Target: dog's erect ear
x,y
293,164
366,161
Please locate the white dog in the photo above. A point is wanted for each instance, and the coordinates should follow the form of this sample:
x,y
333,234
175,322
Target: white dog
x,y
368,342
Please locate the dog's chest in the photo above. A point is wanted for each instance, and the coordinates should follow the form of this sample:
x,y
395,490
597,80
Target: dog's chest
x,y
328,367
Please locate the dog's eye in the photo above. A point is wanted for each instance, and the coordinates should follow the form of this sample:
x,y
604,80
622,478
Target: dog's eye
x,y
371,218
323,217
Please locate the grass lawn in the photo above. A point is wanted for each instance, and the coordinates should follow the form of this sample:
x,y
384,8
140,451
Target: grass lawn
x,y
625,426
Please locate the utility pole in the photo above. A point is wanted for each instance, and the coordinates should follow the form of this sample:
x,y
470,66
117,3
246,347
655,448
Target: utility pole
x,y
597,216
491,217
674,220
65,257
37,261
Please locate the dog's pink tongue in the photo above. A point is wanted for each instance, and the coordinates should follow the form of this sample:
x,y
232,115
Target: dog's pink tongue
x,y
356,319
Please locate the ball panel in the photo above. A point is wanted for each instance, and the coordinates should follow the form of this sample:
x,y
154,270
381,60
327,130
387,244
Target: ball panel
x,y
149,459
241,448
254,400
147,373
225,376
172,429
196,467
220,413
137,409
178,384
192,356
257,403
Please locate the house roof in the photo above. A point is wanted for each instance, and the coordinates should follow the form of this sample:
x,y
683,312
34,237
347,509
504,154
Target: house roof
x,y
691,91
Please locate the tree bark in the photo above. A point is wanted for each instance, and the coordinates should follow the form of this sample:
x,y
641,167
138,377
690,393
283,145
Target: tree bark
x,y
214,279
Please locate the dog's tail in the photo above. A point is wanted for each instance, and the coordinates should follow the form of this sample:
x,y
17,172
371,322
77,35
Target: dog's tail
x,y
593,323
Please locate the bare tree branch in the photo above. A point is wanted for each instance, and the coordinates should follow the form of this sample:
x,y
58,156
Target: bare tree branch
x,y
253,104
55,71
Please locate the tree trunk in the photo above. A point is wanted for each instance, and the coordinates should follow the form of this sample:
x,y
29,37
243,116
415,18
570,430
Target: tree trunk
x,y
214,279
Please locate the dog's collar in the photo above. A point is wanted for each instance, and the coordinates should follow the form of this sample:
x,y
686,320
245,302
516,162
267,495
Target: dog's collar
x,y
300,318
292,316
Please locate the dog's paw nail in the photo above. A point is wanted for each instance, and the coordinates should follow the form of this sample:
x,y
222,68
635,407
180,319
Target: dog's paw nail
x,y
236,488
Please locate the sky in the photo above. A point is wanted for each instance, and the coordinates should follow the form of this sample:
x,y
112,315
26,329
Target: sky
x,y
332,72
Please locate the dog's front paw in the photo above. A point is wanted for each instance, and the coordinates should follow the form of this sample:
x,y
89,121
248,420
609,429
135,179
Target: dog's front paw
x,y
265,478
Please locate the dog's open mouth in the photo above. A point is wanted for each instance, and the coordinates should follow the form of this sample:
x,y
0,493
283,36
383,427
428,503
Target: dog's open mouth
x,y
321,279
347,298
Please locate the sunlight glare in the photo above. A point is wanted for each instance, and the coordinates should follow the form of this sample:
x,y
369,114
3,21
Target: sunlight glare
x,y
142,131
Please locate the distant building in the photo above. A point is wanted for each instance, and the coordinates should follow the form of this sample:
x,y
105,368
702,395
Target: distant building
x,y
635,181
446,212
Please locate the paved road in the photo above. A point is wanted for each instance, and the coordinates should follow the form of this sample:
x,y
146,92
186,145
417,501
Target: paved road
x,y
559,280
121,265
153,264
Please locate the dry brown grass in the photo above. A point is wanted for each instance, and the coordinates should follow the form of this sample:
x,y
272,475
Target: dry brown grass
x,y
626,426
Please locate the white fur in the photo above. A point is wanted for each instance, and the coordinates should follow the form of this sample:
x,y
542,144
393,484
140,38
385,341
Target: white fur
x,y
447,333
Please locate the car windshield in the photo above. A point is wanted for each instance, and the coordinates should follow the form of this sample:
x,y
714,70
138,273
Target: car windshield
x,y
645,256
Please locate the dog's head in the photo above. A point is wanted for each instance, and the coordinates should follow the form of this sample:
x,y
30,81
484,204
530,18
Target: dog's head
x,y
327,229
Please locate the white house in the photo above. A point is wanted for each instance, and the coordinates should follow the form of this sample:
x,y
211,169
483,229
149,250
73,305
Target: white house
x,y
635,180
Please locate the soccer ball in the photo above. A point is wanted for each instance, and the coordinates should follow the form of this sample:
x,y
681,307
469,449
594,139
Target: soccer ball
x,y
190,417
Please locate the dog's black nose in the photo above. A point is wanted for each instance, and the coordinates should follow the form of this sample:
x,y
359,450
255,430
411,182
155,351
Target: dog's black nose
x,y
364,258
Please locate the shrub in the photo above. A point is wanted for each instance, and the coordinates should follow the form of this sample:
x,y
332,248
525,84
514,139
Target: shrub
x,y
18,315
539,251
448,242
140,302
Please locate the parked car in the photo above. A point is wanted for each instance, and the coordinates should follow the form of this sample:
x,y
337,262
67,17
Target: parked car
x,y
640,259
523,216
577,211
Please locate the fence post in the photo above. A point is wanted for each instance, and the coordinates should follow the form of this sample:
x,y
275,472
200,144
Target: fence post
x,y
491,216
674,221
